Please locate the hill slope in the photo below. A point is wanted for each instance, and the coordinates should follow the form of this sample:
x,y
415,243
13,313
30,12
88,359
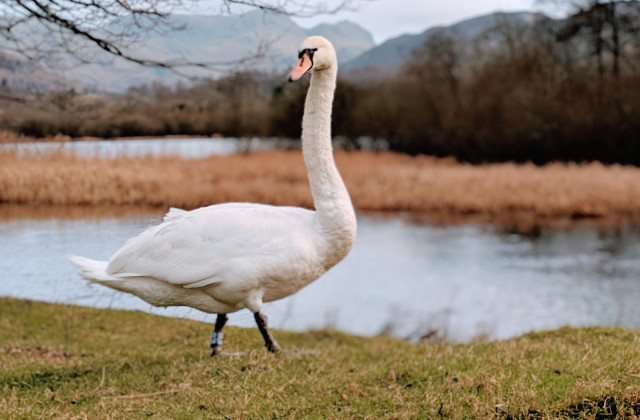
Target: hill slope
x,y
392,53
265,41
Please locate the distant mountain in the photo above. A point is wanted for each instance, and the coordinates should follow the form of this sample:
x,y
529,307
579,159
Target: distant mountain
x,y
270,37
347,37
220,39
387,57
20,74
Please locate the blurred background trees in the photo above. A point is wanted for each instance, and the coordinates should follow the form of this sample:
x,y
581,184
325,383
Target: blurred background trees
x,y
565,90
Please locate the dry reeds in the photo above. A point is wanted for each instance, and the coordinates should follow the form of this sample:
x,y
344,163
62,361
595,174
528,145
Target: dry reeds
x,y
7,136
376,181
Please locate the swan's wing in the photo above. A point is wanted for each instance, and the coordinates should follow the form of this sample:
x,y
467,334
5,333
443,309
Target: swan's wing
x,y
174,214
217,244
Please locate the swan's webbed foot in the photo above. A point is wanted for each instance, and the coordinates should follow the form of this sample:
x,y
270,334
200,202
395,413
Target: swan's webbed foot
x,y
217,336
269,341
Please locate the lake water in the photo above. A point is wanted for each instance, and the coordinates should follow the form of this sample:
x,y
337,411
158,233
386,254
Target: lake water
x,y
403,277
186,148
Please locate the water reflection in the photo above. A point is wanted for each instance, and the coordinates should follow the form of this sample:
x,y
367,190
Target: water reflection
x,y
409,278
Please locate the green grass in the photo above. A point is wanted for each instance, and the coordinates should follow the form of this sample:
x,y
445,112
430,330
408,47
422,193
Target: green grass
x,y
61,362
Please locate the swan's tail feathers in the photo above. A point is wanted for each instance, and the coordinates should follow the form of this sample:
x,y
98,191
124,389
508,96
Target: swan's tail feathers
x,y
92,270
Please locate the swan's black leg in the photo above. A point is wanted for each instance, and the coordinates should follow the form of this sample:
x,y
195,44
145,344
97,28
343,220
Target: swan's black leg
x,y
217,335
269,342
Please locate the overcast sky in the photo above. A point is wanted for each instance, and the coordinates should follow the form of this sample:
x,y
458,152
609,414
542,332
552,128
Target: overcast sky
x,y
390,18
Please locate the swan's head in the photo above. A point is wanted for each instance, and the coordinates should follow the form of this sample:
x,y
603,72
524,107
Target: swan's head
x,y
317,54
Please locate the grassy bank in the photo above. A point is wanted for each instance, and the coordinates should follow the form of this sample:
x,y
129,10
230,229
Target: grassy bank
x,y
69,362
376,181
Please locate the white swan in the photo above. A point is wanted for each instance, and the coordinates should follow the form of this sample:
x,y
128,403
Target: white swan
x,y
227,257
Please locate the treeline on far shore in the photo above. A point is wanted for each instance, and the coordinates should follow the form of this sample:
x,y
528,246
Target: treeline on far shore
x,y
541,92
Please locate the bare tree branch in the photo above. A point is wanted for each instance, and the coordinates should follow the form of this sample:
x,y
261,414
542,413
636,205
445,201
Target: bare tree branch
x,y
75,25
292,8
604,27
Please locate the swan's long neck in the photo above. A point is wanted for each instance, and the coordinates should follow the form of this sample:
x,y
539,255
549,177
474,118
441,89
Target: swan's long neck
x,y
334,212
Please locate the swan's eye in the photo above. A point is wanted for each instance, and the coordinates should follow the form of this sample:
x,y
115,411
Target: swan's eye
x,y
307,51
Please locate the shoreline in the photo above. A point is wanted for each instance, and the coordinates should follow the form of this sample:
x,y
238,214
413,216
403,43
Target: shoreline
x,y
524,223
82,361
7,137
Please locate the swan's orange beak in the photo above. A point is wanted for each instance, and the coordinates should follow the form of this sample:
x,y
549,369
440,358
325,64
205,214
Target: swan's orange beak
x,y
303,65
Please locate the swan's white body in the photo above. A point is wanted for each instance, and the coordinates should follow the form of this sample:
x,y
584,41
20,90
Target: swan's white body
x,y
226,257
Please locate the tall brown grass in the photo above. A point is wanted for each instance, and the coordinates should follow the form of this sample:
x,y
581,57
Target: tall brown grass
x,y
376,181
8,136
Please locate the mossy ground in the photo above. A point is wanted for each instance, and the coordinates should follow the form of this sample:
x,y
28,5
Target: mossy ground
x,y
59,361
